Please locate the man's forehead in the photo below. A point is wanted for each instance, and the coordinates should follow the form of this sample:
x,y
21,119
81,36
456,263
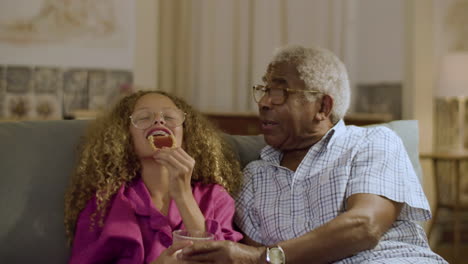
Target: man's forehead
x,y
281,69
279,66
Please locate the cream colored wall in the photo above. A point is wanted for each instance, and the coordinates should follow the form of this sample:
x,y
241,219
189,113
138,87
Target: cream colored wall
x,y
419,80
379,53
418,75
146,44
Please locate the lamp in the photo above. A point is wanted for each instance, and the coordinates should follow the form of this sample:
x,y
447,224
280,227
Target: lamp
x,y
451,103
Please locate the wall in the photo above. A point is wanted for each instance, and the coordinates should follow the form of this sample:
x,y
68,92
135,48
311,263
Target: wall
x,y
419,80
399,49
146,44
59,56
368,35
381,40
59,33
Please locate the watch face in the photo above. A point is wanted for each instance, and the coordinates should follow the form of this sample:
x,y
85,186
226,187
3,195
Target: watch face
x,y
275,256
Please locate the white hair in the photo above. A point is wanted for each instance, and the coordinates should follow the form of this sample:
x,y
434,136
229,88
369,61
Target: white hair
x,y
322,71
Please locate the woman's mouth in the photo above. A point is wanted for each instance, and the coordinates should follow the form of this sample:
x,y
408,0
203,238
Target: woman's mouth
x,y
158,132
161,138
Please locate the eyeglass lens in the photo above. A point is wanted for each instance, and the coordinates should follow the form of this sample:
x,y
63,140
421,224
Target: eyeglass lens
x,y
276,94
144,118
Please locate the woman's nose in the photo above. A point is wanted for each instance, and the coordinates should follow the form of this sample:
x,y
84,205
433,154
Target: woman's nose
x,y
159,118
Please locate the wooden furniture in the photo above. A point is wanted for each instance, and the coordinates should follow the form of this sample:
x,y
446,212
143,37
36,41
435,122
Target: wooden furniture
x,y
449,188
249,124
236,123
365,119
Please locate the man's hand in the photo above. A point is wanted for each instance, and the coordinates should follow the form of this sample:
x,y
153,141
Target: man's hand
x,y
169,256
222,252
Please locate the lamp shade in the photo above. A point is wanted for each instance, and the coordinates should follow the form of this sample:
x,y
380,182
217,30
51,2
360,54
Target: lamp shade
x,y
453,78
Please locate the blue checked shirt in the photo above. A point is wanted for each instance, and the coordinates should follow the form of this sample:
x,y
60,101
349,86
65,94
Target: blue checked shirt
x,y
277,204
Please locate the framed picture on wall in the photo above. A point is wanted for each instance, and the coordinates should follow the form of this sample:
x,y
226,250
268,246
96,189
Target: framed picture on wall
x,y
379,98
59,56
85,33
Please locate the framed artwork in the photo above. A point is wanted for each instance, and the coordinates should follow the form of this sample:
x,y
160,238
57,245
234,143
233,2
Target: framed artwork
x,y
31,106
18,79
118,82
47,80
85,33
59,56
466,128
380,98
18,106
53,93
75,90
97,84
117,79
48,106
2,79
2,90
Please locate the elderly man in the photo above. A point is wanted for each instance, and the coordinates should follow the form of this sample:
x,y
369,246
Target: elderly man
x,y
322,191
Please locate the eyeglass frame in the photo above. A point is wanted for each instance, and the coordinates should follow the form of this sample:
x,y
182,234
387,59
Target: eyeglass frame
x,y
154,113
285,90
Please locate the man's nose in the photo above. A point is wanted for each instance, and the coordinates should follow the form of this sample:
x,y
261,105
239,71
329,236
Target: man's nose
x,y
265,102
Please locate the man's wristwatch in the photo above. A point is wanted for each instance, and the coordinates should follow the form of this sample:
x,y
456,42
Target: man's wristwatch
x,y
275,255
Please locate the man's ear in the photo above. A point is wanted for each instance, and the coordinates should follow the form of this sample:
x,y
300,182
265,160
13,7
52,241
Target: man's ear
x,y
326,106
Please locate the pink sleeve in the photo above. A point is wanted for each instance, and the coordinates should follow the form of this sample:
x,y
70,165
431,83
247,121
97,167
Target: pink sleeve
x,y
112,243
84,234
221,222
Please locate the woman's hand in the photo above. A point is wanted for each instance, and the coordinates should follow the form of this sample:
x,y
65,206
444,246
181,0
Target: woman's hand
x,y
169,256
179,166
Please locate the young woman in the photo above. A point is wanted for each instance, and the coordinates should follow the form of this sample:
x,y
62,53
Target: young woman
x,y
152,165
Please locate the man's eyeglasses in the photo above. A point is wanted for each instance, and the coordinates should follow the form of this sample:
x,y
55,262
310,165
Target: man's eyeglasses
x,y
277,95
143,119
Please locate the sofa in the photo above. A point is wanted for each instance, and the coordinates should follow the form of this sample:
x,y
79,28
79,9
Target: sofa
x,y
36,159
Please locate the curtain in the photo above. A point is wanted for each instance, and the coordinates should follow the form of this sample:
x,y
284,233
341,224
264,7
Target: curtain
x,y
210,52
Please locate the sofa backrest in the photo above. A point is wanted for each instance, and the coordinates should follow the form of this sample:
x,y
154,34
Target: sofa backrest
x,y
36,159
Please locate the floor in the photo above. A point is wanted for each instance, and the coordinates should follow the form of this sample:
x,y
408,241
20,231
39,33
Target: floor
x,y
446,251
442,243
442,239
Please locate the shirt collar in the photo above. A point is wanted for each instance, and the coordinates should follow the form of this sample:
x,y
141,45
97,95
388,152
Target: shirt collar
x,y
273,155
335,132
140,199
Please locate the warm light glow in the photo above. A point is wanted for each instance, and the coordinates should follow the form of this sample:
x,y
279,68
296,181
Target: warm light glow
x,y
453,75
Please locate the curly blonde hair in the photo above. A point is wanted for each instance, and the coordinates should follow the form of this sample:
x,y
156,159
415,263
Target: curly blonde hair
x,y
107,158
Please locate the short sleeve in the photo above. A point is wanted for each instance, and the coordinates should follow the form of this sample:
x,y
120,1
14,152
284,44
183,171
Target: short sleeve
x,y
85,231
381,166
221,223
246,217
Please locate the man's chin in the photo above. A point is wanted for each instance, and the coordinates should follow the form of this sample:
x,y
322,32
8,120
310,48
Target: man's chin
x,y
272,141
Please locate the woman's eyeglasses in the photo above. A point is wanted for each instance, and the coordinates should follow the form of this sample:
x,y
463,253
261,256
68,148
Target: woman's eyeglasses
x,y
145,118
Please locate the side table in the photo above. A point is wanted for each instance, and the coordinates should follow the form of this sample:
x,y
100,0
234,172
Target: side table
x,y
446,199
